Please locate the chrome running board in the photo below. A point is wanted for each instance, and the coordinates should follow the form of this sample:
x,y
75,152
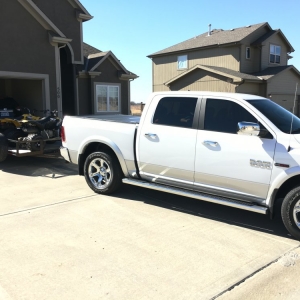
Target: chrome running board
x,y
199,196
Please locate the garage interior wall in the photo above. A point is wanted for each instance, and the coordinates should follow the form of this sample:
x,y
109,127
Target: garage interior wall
x,y
2,88
28,93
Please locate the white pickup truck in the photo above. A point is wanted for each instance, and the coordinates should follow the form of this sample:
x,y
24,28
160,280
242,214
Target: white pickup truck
x,y
232,149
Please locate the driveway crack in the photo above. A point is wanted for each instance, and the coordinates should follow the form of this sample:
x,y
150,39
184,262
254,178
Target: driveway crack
x,y
253,273
46,205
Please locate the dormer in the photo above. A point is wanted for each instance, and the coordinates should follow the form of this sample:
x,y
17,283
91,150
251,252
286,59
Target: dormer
x,y
275,49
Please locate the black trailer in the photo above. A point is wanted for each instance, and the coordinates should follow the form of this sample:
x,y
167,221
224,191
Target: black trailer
x,y
18,147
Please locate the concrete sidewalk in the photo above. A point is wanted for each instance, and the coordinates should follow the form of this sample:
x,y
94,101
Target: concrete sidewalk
x,y
59,240
277,281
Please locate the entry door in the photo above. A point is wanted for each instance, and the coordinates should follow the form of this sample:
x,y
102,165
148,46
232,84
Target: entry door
x,y
229,164
167,141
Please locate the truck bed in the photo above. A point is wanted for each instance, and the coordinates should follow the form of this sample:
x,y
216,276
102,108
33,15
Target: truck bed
x,y
114,118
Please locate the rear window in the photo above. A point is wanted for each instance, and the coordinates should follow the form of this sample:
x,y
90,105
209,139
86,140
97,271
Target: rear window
x,y
175,111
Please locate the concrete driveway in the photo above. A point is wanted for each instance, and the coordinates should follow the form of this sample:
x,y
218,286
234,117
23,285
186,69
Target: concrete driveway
x,y
59,240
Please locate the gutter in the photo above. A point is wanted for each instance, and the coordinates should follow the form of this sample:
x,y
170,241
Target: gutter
x,y
127,76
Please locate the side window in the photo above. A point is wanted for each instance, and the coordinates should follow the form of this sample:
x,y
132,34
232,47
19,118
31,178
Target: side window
x,y
175,111
248,52
224,115
182,62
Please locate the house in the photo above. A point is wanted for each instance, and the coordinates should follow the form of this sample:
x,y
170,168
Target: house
x,y
251,59
105,80
45,65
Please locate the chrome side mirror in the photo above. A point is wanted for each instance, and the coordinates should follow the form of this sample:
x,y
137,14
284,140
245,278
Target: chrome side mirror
x,y
248,128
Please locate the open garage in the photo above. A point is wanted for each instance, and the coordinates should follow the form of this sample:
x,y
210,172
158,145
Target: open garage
x,y
30,91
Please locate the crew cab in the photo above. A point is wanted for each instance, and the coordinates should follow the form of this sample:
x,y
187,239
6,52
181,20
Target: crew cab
x,y
231,149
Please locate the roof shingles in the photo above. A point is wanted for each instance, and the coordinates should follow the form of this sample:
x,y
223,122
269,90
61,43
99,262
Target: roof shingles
x,y
217,37
88,50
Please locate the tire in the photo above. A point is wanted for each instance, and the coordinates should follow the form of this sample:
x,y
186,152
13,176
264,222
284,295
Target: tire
x,y
290,212
36,146
102,173
3,147
13,134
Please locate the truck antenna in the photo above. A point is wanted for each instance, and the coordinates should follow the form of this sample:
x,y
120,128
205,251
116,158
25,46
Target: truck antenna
x,y
289,148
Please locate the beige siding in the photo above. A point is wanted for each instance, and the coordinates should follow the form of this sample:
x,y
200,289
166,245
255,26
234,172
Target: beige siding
x,y
275,40
253,64
284,83
282,88
226,57
286,101
165,68
201,80
249,88
160,88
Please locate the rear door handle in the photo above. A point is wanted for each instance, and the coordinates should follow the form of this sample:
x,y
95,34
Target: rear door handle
x,y
211,143
151,134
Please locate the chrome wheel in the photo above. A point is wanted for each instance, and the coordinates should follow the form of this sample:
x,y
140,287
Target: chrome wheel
x,y
296,214
99,173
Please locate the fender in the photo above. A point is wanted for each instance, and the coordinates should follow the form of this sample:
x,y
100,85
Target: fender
x,y
279,181
110,144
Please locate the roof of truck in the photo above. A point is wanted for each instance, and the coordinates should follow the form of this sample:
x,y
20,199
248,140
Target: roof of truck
x,y
210,94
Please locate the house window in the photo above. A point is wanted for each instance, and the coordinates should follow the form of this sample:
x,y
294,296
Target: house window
x,y
275,54
248,53
182,62
107,98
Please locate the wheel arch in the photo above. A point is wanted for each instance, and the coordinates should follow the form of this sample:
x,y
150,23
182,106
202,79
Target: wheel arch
x,y
103,145
281,191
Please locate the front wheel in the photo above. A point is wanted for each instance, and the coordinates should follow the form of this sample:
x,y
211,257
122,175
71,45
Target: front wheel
x,y
290,212
102,173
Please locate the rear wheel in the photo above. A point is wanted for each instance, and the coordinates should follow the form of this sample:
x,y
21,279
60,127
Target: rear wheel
x,y
102,173
3,147
290,212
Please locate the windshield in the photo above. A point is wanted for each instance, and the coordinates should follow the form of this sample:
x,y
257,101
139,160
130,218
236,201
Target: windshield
x,y
278,115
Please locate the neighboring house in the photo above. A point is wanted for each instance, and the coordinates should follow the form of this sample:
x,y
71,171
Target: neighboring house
x,y
251,59
44,63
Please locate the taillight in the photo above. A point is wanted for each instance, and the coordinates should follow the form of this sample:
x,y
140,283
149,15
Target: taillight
x,y
62,133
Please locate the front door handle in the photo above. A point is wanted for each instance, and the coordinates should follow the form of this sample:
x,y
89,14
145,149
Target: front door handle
x,y
211,143
151,134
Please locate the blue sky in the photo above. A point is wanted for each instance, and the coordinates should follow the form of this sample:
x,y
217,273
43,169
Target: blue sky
x,y
133,29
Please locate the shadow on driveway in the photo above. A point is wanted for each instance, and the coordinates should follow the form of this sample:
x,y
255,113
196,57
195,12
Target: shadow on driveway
x,y
50,165
53,166
220,213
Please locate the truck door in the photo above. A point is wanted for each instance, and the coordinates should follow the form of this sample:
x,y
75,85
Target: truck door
x,y
229,164
167,140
